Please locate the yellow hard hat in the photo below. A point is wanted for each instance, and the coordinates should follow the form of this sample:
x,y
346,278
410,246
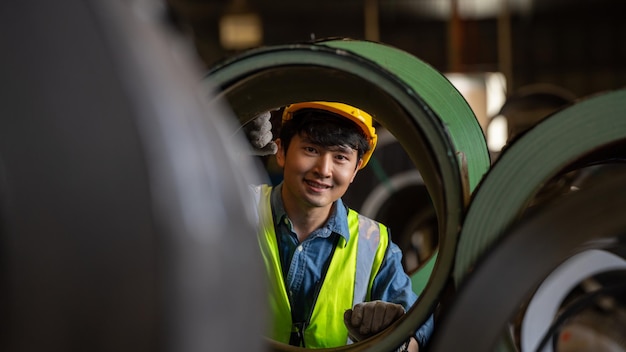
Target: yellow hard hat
x,y
360,117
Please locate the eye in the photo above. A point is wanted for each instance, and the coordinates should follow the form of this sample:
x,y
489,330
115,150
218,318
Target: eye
x,y
342,158
343,154
310,149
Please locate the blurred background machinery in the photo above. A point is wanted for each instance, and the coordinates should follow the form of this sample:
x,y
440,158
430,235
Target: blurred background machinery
x,y
576,44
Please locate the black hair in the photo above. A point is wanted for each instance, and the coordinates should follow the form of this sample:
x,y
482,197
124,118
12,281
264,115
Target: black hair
x,y
325,129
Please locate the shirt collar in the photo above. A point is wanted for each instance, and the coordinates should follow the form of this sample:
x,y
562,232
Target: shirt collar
x,y
337,223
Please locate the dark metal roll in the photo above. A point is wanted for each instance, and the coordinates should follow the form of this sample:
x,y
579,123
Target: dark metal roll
x,y
123,218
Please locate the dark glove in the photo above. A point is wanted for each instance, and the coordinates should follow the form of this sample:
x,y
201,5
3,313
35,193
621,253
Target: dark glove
x,y
369,318
259,134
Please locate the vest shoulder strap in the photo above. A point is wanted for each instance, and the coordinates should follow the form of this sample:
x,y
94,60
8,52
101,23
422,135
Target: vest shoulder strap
x,y
373,241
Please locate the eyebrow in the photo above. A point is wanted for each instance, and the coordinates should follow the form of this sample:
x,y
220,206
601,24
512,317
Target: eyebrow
x,y
343,148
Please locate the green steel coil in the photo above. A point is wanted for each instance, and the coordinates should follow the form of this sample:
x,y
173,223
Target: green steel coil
x,y
531,161
534,247
416,103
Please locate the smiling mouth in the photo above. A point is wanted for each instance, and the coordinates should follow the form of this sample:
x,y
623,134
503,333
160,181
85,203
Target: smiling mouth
x,y
317,185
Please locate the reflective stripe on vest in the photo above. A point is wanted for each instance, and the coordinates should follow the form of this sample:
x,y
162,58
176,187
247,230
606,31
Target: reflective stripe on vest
x,y
348,281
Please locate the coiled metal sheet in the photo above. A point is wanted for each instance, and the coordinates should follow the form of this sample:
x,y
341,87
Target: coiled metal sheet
x,y
426,114
530,162
536,244
504,243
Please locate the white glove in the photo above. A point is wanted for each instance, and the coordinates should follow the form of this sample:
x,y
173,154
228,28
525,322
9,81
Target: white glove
x,y
259,134
369,318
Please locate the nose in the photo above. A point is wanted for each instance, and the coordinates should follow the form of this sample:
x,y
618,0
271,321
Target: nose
x,y
324,165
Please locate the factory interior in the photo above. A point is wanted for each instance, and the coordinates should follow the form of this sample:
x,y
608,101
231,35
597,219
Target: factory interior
x,y
125,218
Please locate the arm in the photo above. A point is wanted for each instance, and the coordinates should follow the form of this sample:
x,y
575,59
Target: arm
x,y
392,284
392,295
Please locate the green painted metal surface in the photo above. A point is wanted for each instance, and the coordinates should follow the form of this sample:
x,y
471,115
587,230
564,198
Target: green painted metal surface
x,y
530,162
440,95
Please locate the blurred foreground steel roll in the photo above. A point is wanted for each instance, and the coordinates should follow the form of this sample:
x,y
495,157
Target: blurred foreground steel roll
x,y
123,218
417,104
588,223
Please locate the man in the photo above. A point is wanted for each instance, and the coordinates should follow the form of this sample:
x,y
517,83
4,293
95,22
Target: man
x,y
335,276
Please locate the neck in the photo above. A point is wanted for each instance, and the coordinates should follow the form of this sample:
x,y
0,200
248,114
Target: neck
x,y
305,219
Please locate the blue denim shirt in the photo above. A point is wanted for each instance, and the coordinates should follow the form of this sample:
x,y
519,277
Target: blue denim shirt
x,y
303,263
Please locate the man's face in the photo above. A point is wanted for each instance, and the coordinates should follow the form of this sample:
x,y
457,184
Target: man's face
x,y
315,176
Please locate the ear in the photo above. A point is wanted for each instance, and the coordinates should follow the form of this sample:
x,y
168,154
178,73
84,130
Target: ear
x,y
358,167
280,153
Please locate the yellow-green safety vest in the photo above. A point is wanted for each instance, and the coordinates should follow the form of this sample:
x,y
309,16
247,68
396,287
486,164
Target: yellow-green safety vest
x,y
348,280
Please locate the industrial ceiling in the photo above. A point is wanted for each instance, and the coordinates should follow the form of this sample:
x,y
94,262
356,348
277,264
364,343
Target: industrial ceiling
x,y
579,45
